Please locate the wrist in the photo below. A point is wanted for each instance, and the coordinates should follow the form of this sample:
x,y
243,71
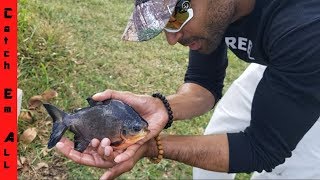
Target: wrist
x,y
151,148
158,156
167,108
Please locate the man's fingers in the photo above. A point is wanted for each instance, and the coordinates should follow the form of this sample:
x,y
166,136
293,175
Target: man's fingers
x,y
95,143
107,94
67,142
125,166
107,151
128,153
103,144
117,170
92,159
74,155
111,94
64,148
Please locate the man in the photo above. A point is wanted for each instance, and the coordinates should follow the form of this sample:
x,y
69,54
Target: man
x,y
267,122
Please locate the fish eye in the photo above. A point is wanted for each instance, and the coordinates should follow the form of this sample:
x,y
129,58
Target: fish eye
x,y
136,128
124,132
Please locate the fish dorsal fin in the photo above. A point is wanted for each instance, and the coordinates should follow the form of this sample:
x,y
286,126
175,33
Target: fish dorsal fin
x,y
94,103
91,101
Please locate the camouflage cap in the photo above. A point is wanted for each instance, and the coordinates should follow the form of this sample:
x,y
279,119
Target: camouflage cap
x,y
148,19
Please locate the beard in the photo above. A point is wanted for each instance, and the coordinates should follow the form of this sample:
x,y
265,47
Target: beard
x,y
212,41
209,42
219,18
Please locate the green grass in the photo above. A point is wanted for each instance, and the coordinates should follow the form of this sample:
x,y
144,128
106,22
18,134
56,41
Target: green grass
x,y
74,47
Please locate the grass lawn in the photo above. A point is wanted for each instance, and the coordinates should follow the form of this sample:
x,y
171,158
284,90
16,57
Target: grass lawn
x,y
74,48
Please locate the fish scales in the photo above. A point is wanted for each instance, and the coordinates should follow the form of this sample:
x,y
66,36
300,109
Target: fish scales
x,y
111,119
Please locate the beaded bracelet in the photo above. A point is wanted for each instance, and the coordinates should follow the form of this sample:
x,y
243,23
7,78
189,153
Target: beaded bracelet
x,y
167,106
157,159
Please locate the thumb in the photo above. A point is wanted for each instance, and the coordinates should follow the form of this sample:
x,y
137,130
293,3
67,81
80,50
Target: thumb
x,y
116,171
107,94
128,153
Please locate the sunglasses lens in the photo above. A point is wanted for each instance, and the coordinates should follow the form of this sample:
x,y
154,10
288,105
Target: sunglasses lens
x,y
177,20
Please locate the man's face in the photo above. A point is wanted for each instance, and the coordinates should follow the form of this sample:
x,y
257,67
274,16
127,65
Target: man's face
x,y
205,30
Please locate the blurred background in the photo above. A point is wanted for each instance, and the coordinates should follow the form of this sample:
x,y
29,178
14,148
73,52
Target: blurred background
x,y
71,49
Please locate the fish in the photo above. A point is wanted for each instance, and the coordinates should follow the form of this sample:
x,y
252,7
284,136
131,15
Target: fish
x,y
110,118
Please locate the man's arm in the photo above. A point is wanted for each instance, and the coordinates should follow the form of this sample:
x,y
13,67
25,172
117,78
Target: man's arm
x,y
203,84
191,100
210,152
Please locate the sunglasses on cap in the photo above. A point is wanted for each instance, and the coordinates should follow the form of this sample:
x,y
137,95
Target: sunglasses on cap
x,y
181,15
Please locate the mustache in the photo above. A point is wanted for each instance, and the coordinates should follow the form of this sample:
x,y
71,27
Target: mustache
x,y
187,41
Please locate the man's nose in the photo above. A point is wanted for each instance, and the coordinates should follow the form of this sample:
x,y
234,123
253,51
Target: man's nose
x,y
173,38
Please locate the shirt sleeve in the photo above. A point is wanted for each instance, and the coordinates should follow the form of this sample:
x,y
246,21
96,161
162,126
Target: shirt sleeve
x,y
208,70
286,103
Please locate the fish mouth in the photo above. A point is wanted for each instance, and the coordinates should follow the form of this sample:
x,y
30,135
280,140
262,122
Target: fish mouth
x,y
131,139
143,133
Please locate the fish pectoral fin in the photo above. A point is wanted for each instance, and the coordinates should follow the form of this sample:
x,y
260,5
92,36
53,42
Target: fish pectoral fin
x,y
80,144
116,143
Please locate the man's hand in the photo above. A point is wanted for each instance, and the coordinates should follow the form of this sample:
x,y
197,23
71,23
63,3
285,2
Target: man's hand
x,y
90,157
149,108
147,149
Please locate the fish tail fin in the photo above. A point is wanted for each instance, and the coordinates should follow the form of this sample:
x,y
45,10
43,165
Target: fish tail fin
x,y
58,127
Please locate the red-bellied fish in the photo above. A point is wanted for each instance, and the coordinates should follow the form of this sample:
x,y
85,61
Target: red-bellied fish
x,y
111,119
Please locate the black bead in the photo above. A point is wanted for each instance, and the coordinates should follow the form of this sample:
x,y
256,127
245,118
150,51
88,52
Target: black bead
x,y
167,106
